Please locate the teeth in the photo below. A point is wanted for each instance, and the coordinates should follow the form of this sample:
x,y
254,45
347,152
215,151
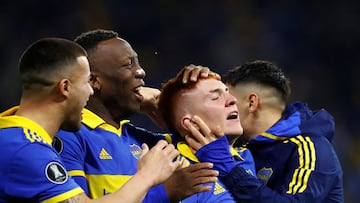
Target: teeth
x,y
233,115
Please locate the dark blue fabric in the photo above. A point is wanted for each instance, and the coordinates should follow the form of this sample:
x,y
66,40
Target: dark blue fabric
x,y
220,155
294,159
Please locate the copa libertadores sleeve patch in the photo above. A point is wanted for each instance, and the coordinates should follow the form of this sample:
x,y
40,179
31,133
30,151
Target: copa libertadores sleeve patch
x,y
56,173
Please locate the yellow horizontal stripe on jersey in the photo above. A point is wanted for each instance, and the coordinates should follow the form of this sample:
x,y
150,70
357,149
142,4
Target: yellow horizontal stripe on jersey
x,y
100,184
64,196
76,173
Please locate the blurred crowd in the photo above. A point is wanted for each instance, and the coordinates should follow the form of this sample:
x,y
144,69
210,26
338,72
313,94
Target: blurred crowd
x,y
315,42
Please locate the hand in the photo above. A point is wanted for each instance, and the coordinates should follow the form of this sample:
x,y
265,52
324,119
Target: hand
x,y
157,165
186,181
193,73
200,133
149,105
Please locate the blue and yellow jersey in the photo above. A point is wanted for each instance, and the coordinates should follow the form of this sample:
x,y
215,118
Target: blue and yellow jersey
x,y
30,170
102,158
295,161
219,192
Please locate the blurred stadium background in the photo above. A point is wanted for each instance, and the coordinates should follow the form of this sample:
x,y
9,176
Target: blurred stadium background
x,y
315,42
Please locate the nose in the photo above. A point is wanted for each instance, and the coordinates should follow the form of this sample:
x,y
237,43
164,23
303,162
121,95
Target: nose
x,y
231,100
140,73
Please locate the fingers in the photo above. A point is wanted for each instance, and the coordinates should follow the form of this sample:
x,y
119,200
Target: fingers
x,y
193,143
193,73
204,129
201,188
195,132
145,150
160,145
188,71
199,166
168,149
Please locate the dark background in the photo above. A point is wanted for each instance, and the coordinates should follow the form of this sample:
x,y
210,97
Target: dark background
x,y
315,42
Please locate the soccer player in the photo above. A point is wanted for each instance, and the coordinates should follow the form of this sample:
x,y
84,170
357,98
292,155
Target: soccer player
x,y
103,155
291,143
55,75
209,99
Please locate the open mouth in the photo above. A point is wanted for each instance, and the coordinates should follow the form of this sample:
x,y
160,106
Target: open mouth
x,y
233,115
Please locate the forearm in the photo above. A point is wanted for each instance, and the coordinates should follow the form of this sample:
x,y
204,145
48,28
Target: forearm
x,y
131,192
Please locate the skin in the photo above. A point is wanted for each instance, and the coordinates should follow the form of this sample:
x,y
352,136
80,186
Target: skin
x,y
213,100
116,74
259,108
62,104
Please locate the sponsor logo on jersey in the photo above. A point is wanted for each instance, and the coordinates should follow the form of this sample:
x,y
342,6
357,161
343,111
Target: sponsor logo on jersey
x,y
264,174
56,173
218,189
104,154
135,150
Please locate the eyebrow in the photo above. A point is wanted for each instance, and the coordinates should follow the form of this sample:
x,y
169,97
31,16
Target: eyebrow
x,y
219,90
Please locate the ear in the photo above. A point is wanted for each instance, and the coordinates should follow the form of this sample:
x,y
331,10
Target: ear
x,y
183,119
64,87
95,82
253,99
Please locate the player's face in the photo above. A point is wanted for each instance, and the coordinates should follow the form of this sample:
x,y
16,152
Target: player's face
x,y
120,76
211,100
243,105
80,91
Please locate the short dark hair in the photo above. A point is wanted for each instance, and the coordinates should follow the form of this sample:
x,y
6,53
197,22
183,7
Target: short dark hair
x,y
45,56
260,72
90,39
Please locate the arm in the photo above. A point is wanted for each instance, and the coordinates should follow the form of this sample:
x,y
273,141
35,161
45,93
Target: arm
x,y
155,166
185,181
247,188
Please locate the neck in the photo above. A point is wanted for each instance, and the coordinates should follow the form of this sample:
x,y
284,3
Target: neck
x,y
41,112
97,107
265,120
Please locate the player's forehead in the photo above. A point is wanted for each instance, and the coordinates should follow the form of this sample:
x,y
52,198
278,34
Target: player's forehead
x,y
203,89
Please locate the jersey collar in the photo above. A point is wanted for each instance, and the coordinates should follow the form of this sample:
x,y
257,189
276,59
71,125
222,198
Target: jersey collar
x,y
93,121
185,150
8,119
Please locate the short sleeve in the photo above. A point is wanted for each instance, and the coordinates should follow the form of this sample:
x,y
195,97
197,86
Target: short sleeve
x,y
36,171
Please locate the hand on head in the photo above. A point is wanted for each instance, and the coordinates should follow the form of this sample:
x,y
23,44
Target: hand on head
x,y
193,73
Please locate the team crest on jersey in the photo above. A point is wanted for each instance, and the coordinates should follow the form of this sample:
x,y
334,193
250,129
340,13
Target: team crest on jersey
x,y
135,150
264,174
58,145
56,173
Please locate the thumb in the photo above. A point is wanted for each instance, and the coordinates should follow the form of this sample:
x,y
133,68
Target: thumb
x,y
145,150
